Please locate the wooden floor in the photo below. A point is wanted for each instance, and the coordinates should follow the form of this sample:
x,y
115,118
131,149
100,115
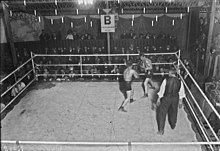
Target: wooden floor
x,y
88,112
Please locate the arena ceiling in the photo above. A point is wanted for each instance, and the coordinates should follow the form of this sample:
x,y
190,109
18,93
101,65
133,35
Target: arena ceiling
x,y
48,7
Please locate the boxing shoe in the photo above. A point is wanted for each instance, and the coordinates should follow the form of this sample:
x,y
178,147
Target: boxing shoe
x,y
132,100
173,126
146,95
161,132
152,87
122,109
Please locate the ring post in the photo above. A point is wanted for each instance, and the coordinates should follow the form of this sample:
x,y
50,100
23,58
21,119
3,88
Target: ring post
x,y
81,69
32,60
178,62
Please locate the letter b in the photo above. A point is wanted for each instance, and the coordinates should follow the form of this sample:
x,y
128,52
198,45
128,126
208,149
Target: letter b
x,y
107,20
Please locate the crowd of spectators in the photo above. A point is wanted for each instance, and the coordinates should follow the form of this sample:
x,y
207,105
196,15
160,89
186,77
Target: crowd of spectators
x,y
19,75
66,68
71,35
198,49
23,55
152,42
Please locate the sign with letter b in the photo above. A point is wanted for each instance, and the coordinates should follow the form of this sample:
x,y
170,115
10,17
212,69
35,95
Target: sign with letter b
x,y
107,23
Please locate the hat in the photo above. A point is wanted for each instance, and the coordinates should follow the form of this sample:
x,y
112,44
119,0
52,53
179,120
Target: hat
x,y
172,71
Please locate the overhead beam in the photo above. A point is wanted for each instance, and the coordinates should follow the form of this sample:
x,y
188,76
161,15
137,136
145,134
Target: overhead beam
x,y
101,4
9,32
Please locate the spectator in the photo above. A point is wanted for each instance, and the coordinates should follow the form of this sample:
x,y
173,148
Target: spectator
x,y
45,74
94,50
131,35
123,50
53,36
58,36
78,50
70,50
100,50
168,48
14,91
2,106
115,50
69,35
115,70
94,70
72,73
124,35
20,86
75,36
131,49
26,55
44,36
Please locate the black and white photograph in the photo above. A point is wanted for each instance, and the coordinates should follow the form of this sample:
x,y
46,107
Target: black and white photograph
x,y
110,75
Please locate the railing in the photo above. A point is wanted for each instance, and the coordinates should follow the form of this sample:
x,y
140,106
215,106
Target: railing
x,y
198,111
115,146
12,80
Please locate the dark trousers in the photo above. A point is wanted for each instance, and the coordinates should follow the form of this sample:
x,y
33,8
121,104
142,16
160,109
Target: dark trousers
x,y
168,105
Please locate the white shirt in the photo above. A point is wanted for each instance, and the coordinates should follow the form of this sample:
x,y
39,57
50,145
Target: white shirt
x,y
21,85
163,86
69,37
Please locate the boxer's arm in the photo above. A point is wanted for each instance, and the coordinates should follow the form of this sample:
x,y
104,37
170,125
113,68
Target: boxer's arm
x,y
136,75
162,89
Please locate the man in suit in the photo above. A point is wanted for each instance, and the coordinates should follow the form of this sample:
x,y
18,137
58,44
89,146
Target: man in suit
x,y
170,96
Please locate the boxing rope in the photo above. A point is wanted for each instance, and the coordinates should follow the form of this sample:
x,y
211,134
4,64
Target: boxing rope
x,y
80,64
200,110
179,64
16,82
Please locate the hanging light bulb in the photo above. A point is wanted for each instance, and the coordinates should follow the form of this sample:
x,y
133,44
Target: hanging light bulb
x,y
156,17
173,22
166,10
132,23
150,1
55,11
152,23
51,21
85,19
77,11
35,12
10,12
144,10
181,16
98,10
91,23
80,2
71,24
39,19
25,3
62,20
188,9
118,1
132,17
55,2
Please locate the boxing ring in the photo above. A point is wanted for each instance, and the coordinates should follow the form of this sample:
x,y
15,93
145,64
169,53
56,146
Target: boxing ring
x,y
80,115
